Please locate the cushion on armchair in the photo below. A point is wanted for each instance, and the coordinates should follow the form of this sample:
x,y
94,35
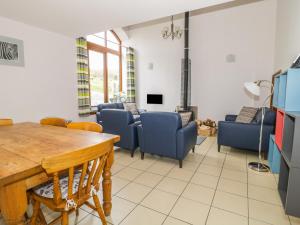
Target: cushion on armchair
x,y
246,115
130,106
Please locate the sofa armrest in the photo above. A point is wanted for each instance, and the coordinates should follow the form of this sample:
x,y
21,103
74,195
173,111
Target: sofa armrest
x,y
230,117
186,139
140,136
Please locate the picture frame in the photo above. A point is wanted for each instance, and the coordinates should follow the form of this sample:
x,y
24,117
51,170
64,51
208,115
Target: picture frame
x,y
11,51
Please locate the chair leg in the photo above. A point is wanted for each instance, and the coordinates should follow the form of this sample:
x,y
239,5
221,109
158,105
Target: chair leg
x,y
180,163
35,214
77,212
65,218
193,149
219,148
99,209
142,155
132,153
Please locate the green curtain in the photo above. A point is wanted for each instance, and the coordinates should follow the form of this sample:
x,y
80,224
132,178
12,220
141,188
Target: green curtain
x,y
130,57
84,105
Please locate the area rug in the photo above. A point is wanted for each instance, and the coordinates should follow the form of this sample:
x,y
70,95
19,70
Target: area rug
x,y
200,139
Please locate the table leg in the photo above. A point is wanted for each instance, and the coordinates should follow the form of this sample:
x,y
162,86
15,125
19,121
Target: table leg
x,y
13,203
106,184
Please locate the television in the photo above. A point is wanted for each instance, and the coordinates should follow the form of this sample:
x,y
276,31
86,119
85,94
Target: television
x,y
154,99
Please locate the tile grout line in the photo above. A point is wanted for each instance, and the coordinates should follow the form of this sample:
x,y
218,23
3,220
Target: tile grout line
x,y
211,205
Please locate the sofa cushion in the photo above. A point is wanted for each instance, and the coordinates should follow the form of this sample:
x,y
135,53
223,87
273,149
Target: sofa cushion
x,y
246,115
185,118
269,119
131,107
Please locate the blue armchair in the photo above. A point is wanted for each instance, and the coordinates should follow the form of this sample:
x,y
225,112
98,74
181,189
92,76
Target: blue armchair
x,y
161,133
246,136
120,122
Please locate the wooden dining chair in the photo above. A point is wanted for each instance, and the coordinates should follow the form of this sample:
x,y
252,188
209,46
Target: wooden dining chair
x,y
71,187
89,126
54,121
6,122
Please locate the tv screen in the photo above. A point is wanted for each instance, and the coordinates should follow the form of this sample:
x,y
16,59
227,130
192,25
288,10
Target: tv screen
x,y
154,99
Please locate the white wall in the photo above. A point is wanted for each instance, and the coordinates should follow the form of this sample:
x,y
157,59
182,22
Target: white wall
x,y
246,31
47,85
288,33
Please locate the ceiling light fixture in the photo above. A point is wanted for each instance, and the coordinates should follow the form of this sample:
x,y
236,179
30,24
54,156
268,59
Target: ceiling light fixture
x,y
175,31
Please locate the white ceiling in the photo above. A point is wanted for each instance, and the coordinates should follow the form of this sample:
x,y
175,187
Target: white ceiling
x,y
80,17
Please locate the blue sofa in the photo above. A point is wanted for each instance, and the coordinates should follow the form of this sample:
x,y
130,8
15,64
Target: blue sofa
x,y
246,136
116,120
161,133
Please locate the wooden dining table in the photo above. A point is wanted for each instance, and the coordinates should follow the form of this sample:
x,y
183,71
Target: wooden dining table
x,y
23,146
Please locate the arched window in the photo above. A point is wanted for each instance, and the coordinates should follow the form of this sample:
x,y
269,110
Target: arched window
x,y
105,66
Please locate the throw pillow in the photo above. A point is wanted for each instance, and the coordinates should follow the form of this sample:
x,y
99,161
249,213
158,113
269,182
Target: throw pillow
x,y
131,106
246,115
185,118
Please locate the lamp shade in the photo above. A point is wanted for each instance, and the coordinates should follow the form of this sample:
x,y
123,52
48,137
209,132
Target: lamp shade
x,y
253,88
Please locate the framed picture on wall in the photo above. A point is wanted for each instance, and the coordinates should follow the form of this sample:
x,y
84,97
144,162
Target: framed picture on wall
x,y
11,51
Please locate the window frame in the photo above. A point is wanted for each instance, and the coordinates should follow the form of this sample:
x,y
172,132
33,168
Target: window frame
x,y
105,50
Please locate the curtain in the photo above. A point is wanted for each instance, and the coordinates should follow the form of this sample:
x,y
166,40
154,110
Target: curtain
x,y
130,57
84,105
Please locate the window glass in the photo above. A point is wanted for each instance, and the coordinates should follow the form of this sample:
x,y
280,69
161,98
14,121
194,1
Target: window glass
x,y
113,76
96,68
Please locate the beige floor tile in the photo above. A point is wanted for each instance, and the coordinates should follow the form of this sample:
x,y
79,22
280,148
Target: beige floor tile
x,y
268,213
213,161
205,180
142,164
256,222
72,217
121,208
234,175
263,180
180,174
190,211
134,192
294,220
126,159
129,173
148,179
264,194
89,220
161,167
171,185
143,216
232,203
221,217
188,165
118,184
235,166
232,186
199,193
160,201
210,170
116,168
194,157
173,221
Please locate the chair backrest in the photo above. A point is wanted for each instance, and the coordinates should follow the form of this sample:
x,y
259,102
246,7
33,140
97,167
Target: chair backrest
x,y
6,122
160,132
88,126
89,162
54,121
115,119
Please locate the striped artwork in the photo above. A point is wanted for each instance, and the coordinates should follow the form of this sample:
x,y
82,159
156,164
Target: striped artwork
x,y
130,56
84,105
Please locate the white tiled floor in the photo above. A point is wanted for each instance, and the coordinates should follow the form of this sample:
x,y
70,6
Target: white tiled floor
x,y
211,189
